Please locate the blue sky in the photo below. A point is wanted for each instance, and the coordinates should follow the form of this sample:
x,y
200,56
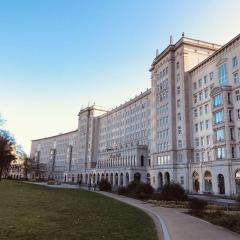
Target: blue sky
x,y
57,55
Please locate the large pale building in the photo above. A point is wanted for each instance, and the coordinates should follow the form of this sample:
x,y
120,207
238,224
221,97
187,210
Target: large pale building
x,y
185,128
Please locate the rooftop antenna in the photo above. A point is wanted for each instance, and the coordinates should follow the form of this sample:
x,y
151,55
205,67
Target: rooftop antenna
x,y
171,40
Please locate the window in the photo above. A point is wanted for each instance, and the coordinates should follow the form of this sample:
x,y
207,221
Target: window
x,y
178,77
207,124
219,135
236,77
229,98
178,90
218,117
238,113
201,126
195,112
234,61
180,143
178,103
233,152
179,156
194,85
200,96
177,65
197,142
209,156
222,74
199,82
179,130
202,141
217,101
206,109
220,152
195,98
230,115
211,75
205,79
196,127
142,161
232,133
208,140
182,180
197,157
239,134
179,116
237,95
206,93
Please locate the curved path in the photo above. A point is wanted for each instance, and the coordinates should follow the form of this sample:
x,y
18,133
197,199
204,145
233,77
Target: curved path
x,y
173,224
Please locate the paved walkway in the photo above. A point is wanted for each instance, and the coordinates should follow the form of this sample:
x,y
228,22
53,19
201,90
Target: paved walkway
x,y
173,224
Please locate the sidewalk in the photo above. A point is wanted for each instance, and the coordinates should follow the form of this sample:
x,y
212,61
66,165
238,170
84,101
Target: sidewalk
x,y
179,225
171,224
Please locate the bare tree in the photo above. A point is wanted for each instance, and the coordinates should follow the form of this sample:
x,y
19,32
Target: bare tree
x,y
7,151
29,166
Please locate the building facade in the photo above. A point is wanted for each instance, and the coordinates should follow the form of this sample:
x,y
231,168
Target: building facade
x,y
185,128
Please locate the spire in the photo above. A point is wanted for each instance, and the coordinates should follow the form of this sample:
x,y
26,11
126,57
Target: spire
x,y
171,40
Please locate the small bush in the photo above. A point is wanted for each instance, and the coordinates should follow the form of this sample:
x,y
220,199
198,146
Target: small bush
x,y
132,186
104,185
173,192
122,191
197,206
50,182
169,204
144,190
228,221
238,198
139,190
214,207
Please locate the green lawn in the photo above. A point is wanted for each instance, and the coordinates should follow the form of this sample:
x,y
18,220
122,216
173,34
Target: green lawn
x,y
34,212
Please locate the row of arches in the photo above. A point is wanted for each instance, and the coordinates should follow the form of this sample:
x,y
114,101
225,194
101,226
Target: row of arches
x,y
208,182
199,184
116,179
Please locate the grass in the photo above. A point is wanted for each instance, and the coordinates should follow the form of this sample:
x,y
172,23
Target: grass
x,y
35,212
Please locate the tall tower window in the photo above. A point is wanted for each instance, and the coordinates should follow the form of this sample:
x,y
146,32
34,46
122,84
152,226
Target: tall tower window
x,y
222,74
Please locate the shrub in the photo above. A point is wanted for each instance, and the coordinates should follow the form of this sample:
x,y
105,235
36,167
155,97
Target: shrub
x,y
144,190
238,198
228,221
173,192
132,186
139,190
51,182
122,191
169,204
197,206
104,185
